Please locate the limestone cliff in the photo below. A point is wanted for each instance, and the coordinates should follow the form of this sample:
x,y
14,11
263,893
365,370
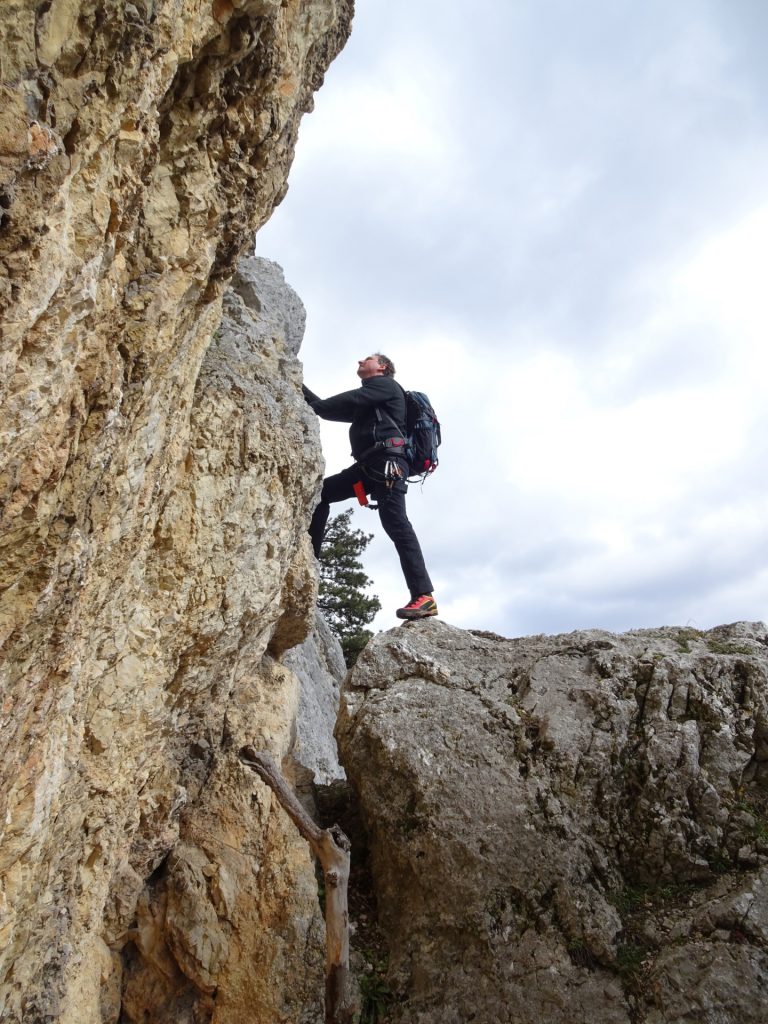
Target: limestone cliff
x,y
566,829
154,494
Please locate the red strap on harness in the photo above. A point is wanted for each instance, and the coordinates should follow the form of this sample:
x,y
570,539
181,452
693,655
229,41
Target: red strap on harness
x,y
360,494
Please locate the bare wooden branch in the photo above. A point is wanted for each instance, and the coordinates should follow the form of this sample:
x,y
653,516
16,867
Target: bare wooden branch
x,y
268,772
332,849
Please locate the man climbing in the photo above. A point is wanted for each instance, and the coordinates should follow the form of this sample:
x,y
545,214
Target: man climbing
x,y
376,412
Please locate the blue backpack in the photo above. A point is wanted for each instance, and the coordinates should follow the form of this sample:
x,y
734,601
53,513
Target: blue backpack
x,y
422,435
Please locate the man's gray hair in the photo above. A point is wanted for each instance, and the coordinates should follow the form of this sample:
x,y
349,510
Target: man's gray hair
x,y
386,362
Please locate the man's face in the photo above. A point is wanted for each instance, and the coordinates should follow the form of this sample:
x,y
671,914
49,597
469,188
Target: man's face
x,y
369,367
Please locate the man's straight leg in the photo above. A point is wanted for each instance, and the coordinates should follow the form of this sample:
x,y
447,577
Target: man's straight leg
x,y
398,528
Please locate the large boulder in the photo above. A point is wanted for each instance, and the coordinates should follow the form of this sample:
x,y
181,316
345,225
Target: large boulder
x,y
567,829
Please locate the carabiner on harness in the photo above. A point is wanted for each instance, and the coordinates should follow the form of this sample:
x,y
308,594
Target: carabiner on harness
x,y
392,472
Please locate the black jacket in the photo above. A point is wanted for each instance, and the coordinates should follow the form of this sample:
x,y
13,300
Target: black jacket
x,y
359,407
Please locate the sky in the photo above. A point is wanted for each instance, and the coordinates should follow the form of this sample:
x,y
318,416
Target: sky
x,y
553,216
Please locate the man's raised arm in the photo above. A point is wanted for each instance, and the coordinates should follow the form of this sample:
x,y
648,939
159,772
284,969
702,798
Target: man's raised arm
x,y
342,407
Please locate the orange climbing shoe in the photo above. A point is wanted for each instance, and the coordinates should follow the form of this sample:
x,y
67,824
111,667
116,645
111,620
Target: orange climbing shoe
x,y
420,608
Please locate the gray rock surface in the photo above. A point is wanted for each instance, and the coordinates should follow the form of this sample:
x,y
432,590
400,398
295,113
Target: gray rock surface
x,y
567,829
318,663
260,306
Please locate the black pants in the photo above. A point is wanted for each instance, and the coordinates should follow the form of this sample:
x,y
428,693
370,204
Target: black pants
x,y
397,526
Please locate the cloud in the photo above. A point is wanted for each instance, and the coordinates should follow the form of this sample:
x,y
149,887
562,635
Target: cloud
x,y
554,219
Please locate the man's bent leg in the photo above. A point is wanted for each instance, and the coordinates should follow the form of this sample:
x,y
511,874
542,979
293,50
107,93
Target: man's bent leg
x,y
338,487
399,529
318,524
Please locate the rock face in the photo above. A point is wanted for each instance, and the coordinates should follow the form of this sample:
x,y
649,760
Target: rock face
x,y
143,868
567,829
318,664
154,495
233,909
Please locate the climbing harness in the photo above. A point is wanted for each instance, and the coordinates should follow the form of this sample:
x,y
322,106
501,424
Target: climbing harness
x,y
389,474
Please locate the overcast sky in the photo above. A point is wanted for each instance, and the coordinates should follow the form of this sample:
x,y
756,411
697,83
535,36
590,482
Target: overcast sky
x,y
553,216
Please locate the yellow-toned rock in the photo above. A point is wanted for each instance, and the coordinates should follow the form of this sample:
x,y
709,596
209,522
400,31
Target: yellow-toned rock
x,y
154,497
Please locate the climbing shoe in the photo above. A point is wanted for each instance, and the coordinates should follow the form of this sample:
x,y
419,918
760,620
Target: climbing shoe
x,y
420,608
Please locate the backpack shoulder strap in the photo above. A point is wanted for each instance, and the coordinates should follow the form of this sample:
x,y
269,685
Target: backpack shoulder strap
x,y
385,415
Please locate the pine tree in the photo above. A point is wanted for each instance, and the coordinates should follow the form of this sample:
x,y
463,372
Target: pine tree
x,y
342,600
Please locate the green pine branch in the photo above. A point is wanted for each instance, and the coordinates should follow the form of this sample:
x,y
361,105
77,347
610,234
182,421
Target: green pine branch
x,y
342,598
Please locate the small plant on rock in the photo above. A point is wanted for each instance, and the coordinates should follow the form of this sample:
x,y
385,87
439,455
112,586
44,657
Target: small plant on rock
x,y
376,995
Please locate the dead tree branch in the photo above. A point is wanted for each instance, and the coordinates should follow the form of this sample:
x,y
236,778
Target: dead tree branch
x,y
332,849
